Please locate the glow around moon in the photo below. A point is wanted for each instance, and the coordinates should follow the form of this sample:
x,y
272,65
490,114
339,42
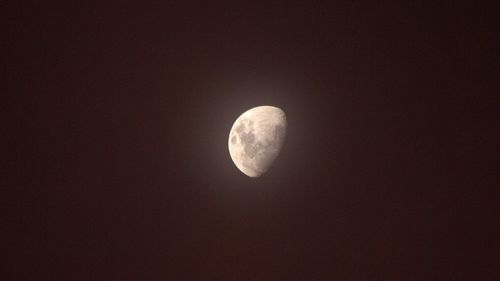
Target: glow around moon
x,y
256,139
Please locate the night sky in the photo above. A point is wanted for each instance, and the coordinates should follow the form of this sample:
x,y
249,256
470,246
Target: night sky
x,y
116,164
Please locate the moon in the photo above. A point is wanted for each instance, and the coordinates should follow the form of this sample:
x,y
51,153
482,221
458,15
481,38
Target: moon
x,y
256,138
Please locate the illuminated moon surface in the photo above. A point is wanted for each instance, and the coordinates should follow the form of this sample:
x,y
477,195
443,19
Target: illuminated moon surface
x,y
256,139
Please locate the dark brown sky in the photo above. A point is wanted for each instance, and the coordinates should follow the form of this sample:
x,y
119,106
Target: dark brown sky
x,y
118,116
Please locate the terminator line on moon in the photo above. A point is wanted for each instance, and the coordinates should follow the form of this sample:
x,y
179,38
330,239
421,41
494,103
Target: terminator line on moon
x,y
256,139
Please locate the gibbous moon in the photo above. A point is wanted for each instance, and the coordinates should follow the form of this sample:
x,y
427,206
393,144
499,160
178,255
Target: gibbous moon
x,y
256,139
